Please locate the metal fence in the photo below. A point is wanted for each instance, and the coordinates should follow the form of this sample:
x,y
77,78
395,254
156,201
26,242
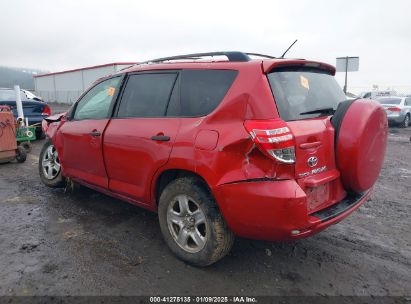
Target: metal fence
x,y
67,97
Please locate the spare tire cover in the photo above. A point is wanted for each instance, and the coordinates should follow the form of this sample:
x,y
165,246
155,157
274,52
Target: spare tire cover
x,y
360,142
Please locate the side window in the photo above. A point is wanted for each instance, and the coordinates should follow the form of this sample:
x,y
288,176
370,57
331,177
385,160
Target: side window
x,y
203,90
174,107
408,101
146,95
96,103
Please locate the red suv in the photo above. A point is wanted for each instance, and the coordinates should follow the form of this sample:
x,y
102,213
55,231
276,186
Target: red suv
x,y
240,144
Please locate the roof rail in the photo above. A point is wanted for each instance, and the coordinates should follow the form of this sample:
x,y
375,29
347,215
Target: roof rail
x,y
232,56
261,55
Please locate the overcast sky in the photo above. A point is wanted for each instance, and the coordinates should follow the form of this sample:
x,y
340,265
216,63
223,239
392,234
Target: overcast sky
x,y
56,35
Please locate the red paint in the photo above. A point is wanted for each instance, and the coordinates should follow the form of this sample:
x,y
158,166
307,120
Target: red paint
x,y
132,157
80,152
259,196
361,145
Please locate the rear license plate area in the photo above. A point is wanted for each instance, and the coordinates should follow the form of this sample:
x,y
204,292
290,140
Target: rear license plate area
x,y
318,196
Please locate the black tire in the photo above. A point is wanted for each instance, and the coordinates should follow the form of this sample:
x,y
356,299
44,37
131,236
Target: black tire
x,y
218,237
56,181
338,116
40,134
406,122
26,145
21,154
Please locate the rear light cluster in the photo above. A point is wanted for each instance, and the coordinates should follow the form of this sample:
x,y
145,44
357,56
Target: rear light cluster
x,y
46,111
274,138
394,109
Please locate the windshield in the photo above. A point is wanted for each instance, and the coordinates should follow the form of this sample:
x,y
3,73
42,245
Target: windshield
x,y
300,90
390,101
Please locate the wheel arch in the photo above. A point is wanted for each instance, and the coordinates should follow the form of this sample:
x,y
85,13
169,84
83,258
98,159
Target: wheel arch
x,y
167,176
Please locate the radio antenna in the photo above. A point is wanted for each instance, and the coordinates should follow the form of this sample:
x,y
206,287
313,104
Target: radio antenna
x,y
282,56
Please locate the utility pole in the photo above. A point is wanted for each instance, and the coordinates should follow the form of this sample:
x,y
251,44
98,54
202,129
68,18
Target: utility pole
x,y
346,73
347,64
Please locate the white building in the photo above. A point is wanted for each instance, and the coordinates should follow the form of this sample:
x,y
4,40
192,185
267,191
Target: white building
x,y
67,86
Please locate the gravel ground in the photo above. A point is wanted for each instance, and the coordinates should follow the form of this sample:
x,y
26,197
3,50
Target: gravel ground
x,y
55,243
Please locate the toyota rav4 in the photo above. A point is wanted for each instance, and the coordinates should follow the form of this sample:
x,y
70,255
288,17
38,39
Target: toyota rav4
x,y
222,144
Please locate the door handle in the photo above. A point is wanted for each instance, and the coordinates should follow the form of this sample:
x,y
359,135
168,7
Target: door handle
x,y
95,133
160,138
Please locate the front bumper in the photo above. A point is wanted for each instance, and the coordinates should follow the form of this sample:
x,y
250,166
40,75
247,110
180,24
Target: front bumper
x,y
277,210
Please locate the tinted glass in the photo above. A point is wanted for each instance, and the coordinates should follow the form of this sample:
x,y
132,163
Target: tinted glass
x,y
390,101
174,108
302,90
203,90
146,95
96,103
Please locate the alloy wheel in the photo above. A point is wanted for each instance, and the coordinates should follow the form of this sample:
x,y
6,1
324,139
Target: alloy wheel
x,y
187,223
51,163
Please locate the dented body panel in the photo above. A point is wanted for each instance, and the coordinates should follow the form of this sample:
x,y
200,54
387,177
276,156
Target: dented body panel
x,y
258,196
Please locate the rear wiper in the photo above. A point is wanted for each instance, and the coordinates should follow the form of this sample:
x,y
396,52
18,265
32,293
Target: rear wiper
x,y
320,111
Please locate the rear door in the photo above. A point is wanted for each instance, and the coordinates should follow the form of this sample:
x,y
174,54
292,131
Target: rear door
x,y
81,154
302,97
139,139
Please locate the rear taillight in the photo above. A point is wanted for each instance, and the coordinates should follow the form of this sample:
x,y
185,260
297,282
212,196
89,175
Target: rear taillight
x,y
46,111
394,109
274,138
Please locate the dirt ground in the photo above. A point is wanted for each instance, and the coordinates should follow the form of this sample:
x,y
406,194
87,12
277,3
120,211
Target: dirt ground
x,y
55,243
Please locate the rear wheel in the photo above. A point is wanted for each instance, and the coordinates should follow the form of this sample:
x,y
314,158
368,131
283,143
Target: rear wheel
x,y
406,122
21,154
50,167
40,134
192,224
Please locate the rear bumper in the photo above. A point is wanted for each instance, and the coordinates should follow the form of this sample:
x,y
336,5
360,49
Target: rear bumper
x,y
277,210
396,118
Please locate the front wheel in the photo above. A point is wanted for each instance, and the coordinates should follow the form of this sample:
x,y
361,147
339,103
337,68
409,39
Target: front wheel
x,y
192,224
49,166
406,122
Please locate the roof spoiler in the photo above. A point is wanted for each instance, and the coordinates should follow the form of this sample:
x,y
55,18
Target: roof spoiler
x,y
269,65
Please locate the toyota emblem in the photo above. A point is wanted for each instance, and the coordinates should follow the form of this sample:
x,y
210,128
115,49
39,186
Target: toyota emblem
x,y
312,161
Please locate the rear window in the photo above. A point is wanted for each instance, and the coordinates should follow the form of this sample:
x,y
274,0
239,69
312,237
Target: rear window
x,y
300,90
203,90
390,101
10,95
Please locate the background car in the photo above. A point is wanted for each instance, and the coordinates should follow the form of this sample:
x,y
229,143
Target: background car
x,y
33,107
30,95
377,94
398,109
